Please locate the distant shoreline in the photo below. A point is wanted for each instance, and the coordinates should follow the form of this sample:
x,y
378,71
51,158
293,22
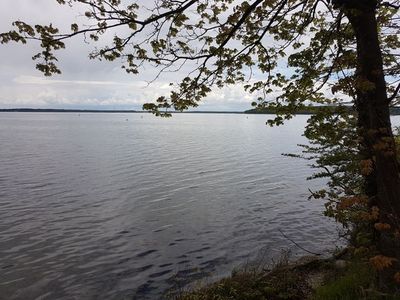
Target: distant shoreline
x,y
66,110
305,111
56,110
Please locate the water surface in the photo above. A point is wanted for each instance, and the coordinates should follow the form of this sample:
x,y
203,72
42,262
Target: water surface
x,y
126,206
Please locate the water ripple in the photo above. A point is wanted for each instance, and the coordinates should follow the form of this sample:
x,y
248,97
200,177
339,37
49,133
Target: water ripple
x,y
94,207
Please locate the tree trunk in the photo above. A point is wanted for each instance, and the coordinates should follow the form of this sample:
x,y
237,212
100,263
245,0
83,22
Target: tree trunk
x,y
377,144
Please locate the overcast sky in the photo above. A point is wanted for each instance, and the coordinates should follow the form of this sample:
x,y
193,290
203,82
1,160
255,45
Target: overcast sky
x,y
84,83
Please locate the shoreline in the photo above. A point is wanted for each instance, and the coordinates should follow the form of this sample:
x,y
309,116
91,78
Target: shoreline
x,y
283,279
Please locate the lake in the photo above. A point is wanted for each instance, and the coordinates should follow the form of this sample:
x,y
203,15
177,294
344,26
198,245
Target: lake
x,y
127,206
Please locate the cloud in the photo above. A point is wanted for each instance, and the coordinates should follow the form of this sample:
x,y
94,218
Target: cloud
x,y
84,82
35,91
36,80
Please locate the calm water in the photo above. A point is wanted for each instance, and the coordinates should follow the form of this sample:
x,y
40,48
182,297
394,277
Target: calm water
x,y
126,206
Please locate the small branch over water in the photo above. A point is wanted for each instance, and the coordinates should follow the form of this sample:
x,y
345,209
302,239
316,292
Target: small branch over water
x,y
296,244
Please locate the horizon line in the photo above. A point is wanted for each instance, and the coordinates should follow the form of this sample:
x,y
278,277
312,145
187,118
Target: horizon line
x,y
26,109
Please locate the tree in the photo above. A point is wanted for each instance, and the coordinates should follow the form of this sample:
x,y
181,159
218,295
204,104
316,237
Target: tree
x,y
347,47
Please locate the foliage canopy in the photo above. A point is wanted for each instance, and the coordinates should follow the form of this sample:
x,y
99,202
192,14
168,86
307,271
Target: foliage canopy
x,y
304,51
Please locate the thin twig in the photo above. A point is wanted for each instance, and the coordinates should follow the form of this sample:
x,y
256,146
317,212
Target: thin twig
x,y
296,244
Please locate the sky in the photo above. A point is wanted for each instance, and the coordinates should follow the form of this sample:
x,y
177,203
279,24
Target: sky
x,y
84,83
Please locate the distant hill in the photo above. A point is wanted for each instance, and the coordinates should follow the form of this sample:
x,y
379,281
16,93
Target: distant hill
x,y
395,111
108,111
66,110
306,111
311,110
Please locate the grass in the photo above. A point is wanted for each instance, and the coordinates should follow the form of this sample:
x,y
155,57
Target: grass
x,y
255,283
355,282
293,282
253,286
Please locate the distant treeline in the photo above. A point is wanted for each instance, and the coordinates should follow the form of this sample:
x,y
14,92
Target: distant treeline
x,y
251,111
309,110
108,111
66,110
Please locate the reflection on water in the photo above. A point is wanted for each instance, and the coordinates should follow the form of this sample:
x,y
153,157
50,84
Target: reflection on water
x,y
115,206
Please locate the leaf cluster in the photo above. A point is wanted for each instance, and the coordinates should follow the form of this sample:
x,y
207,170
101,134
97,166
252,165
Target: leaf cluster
x,y
298,49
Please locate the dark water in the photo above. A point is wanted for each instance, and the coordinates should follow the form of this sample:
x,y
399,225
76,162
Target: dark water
x,y
114,206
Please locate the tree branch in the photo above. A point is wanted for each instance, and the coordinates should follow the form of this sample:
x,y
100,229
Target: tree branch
x,y
396,91
391,5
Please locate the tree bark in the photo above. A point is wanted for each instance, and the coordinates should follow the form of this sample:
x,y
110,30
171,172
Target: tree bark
x,y
377,145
